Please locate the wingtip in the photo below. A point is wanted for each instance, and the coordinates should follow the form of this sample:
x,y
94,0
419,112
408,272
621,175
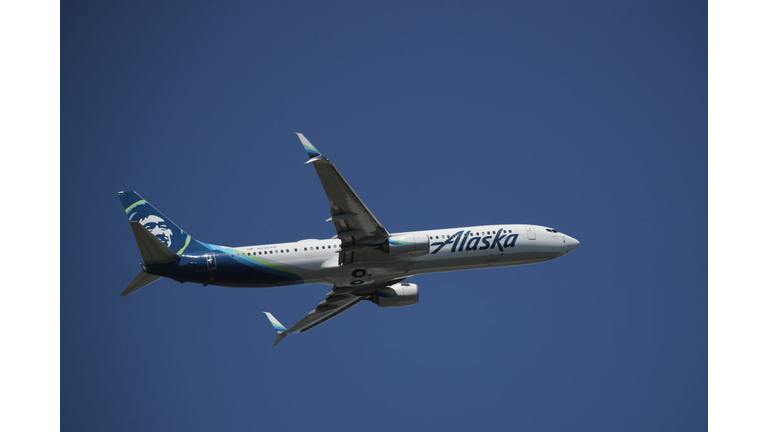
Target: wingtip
x,y
311,150
279,338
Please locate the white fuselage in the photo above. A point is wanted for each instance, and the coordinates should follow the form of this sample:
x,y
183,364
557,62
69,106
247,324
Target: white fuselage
x,y
317,261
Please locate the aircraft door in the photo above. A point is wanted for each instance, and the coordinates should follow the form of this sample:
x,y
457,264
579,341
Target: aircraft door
x,y
210,260
531,233
494,254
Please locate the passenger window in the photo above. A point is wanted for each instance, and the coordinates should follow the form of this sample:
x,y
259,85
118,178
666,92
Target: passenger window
x,y
305,248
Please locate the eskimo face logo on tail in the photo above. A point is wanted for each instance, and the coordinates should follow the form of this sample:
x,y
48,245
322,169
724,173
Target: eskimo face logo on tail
x,y
462,241
159,227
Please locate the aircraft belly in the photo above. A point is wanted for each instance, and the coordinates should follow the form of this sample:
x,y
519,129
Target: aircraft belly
x,y
365,273
464,261
448,264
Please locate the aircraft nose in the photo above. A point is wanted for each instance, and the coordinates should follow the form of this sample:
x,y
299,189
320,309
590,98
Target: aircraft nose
x,y
570,243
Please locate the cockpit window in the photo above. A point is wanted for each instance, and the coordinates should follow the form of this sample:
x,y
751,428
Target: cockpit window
x,y
551,230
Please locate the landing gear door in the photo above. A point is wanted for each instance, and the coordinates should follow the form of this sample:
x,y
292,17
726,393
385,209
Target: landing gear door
x,y
531,233
210,260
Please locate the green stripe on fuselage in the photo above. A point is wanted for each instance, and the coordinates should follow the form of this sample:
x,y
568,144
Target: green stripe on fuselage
x,y
265,263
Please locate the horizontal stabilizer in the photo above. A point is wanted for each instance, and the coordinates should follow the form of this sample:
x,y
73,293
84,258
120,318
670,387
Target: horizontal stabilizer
x,y
142,280
153,251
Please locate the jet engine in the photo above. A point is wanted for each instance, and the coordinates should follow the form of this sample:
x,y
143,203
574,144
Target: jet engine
x,y
407,245
400,294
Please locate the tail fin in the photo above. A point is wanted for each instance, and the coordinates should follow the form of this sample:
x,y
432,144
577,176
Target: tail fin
x,y
170,234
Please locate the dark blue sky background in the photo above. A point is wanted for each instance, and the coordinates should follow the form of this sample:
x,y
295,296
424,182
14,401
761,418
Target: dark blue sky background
x,y
590,117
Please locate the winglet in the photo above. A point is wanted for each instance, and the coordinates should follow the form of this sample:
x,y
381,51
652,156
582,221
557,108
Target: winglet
x,y
314,153
279,327
275,323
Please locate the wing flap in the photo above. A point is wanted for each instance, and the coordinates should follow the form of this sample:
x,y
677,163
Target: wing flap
x,y
354,222
336,302
334,314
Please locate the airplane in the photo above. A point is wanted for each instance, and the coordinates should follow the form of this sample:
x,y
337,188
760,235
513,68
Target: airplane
x,y
363,261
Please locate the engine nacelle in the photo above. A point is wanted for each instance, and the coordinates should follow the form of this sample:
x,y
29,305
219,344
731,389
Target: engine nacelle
x,y
400,294
409,245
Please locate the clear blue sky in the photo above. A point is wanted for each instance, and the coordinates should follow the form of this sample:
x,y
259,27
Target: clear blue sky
x,y
590,117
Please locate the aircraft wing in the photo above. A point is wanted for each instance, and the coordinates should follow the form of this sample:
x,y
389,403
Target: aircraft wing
x,y
356,226
339,300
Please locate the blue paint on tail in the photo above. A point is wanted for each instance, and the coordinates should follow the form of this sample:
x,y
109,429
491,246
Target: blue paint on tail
x,y
139,210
